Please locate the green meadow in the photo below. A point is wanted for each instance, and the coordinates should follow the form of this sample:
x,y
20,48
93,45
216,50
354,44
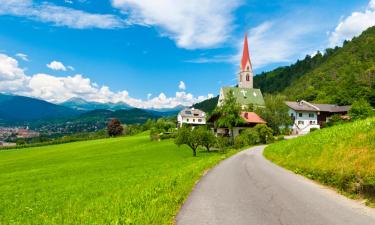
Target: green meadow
x,y
127,180
342,156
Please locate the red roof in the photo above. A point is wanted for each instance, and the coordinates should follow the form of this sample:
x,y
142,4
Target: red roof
x,y
245,55
252,117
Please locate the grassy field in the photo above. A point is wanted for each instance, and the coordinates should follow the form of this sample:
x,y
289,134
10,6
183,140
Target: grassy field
x,y
342,157
111,181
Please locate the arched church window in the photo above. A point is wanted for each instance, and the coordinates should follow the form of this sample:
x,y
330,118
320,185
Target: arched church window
x,y
247,77
248,68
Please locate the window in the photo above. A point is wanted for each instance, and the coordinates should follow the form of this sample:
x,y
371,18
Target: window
x,y
188,112
199,120
193,120
187,120
247,77
300,114
292,114
312,122
301,122
248,68
311,115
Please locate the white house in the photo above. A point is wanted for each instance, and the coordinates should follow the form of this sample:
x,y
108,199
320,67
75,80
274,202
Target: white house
x,y
191,116
307,115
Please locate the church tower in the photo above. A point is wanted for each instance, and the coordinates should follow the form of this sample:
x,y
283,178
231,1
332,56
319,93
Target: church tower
x,y
246,69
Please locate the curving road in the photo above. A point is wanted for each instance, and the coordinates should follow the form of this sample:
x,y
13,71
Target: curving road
x,y
248,189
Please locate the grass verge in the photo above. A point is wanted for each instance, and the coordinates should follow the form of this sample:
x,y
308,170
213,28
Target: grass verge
x,y
342,157
127,180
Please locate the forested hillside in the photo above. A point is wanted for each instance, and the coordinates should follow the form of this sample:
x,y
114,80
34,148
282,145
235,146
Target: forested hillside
x,y
207,105
341,75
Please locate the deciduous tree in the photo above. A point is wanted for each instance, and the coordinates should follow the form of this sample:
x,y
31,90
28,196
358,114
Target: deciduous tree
x,y
114,128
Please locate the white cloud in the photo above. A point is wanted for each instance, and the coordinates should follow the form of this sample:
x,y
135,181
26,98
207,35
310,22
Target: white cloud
x,y
182,85
277,41
353,25
22,56
59,89
56,65
192,24
12,78
59,15
70,68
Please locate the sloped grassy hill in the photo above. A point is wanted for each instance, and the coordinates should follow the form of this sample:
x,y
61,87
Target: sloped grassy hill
x,y
341,76
127,180
342,157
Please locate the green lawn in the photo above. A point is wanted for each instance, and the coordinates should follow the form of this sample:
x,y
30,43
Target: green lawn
x,y
128,180
342,157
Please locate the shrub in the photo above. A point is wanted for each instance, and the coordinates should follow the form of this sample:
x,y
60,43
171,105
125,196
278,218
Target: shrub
x,y
223,143
154,134
240,141
265,133
313,129
361,109
164,136
251,135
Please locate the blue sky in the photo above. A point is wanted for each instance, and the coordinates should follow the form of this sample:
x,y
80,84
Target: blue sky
x,y
160,53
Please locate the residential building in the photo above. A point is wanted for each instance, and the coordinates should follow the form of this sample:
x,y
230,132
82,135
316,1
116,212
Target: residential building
x,y
306,116
191,116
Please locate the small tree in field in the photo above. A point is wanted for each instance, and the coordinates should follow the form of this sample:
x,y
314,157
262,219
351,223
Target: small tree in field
x,y
206,137
114,128
229,113
187,136
361,109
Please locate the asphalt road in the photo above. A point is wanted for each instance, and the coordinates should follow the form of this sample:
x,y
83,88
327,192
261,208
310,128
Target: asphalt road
x,y
248,189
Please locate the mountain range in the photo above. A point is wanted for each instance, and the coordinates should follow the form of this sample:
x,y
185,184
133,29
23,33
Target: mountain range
x,y
20,110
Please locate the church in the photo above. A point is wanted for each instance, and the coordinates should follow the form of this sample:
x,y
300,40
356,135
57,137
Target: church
x,y
244,92
245,95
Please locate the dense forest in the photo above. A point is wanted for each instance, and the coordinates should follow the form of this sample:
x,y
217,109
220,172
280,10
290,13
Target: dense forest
x,y
340,75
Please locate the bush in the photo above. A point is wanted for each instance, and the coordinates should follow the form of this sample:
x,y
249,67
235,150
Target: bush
x,y
251,135
361,109
165,136
223,143
155,134
240,141
313,129
265,133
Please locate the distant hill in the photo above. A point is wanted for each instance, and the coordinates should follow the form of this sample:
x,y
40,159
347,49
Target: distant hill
x,y
81,104
18,108
129,116
341,75
208,105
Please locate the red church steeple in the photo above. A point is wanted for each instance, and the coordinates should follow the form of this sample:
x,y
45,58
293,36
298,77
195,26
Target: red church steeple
x,y
245,55
246,68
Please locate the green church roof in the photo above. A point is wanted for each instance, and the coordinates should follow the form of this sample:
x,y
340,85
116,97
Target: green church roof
x,y
245,96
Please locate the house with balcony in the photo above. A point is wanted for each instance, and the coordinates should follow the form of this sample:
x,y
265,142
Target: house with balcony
x,y
191,116
307,116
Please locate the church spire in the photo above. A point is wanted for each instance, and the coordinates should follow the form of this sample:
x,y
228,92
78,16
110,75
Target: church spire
x,y
246,68
245,55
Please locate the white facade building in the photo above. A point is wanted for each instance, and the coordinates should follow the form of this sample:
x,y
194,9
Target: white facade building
x,y
306,115
304,121
192,117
